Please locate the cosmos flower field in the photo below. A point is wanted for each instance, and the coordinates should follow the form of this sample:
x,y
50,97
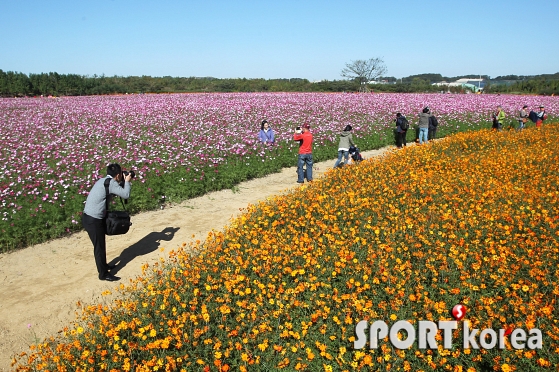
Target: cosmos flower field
x,y
472,220
184,145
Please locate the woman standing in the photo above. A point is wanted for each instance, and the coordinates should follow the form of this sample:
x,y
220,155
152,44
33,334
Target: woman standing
x,y
346,140
522,118
266,134
498,119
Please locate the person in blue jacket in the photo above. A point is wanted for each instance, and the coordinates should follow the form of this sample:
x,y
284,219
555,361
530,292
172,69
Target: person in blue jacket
x,y
266,134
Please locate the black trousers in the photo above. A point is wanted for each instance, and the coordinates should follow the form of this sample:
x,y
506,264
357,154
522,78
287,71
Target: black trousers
x,y
432,133
401,138
96,230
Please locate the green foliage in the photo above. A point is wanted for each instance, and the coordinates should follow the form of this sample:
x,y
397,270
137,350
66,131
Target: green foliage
x,y
430,78
40,221
18,84
539,86
13,84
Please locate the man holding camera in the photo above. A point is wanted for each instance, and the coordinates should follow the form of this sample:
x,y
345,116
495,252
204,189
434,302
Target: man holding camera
x,y
305,153
95,211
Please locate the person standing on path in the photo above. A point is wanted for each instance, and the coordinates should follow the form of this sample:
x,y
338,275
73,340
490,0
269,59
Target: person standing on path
x,y
304,136
346,141
424,125
402,126
433,125
95,211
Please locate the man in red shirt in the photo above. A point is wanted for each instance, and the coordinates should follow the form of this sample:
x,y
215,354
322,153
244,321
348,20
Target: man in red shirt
x,y
305,153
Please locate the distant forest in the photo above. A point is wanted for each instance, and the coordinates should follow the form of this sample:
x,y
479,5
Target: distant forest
x,y
17,84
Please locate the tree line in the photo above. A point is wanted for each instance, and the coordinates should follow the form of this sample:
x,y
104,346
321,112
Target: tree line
x,y
17,84
540,86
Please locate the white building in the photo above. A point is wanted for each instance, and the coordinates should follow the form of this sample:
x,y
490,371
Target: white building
x,y
472,84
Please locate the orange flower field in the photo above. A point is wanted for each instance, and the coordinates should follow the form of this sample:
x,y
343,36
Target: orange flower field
x,y
471,219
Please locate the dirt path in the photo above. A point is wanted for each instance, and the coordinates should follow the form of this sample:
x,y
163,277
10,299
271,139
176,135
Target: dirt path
x,y
41,285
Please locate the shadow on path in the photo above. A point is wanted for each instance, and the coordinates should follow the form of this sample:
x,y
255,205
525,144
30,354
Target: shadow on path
x,y
146,245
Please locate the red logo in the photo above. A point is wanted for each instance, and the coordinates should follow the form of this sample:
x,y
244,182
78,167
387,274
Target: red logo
x,y
459,311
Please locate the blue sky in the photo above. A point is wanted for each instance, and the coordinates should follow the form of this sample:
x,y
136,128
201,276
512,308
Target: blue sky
x,y
278,39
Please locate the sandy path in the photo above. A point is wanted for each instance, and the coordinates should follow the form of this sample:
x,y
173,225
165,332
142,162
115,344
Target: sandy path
x,y
41,285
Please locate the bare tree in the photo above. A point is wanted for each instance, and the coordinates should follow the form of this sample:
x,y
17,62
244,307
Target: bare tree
x,y
364,70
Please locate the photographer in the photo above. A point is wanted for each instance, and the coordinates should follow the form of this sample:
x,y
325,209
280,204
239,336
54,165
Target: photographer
x,y
304,137
95,211
423,125
346,141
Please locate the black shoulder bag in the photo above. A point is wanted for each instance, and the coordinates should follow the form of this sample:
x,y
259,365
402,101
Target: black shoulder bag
x,y
117,222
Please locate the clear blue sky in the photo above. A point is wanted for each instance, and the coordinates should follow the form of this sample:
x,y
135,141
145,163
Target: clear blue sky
x,y
309,39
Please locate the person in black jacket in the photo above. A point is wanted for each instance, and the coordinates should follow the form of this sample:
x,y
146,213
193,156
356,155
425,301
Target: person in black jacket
x,y
402,127
433,124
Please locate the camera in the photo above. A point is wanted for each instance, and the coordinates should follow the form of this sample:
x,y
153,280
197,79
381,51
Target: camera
x,y
126,173
298,130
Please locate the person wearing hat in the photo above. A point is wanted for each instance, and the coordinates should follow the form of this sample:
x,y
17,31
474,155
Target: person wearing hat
x,y
541,117
522,118
304,136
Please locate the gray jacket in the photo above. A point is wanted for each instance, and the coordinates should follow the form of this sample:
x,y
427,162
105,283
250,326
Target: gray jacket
x,y
95,203
522,115
424,120
346,139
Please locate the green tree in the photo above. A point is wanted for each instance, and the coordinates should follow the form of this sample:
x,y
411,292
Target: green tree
x,y
3,84
18,84
420,85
